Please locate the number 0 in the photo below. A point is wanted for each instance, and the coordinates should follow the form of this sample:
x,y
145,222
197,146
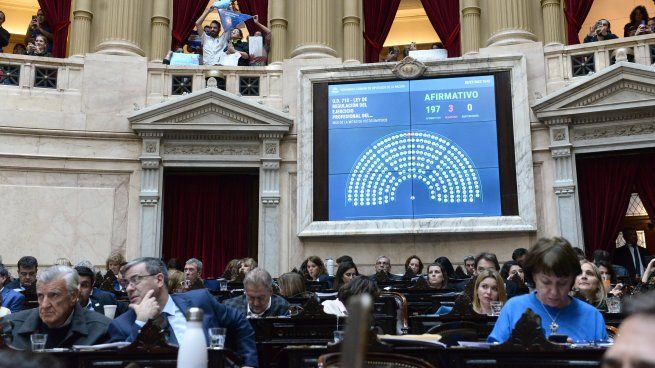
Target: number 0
x,y
469,107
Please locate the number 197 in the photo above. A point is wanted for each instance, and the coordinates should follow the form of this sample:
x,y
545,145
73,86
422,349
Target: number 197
x,y
433,109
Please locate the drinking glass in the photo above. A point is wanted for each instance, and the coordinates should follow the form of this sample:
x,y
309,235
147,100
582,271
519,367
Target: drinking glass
x,y
38,341
338,336
496,306
614,305
607,282
222,285
217,337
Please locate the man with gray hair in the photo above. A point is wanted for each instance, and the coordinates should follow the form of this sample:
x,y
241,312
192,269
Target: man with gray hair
x,y
59,314
145,281
192,272
258,299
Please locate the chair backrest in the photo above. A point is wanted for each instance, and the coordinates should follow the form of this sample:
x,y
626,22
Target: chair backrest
x,y
376,360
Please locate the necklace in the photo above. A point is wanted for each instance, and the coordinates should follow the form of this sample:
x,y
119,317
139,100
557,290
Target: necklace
x,y
553,324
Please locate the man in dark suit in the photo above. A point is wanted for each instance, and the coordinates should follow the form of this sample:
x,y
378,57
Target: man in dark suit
x,y
631,256
27,270
192,272
259,300
149,298
92,298
59,315
11,299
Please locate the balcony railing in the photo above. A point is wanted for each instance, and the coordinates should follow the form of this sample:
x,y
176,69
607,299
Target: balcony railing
x,y
565,64
260,83
33,72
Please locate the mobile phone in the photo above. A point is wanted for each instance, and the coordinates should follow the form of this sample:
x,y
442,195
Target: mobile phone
x,y
558,339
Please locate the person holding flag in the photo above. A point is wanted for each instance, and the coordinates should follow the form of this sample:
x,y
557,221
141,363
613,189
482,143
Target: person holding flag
x,y
218,50
212,44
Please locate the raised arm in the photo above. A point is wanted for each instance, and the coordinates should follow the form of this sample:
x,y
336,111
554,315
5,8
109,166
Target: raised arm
x,y
199,22
264,29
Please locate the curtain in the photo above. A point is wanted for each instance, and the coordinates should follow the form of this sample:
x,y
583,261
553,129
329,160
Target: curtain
x,y
575,12
254,7
208,216
378,17
605,185
444,16
645,184
58,15
185,14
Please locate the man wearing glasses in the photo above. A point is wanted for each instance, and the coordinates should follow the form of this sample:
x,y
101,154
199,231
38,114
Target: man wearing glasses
x,y
145,282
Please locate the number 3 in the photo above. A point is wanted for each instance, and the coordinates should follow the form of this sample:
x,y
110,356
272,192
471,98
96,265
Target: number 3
x,y
451,108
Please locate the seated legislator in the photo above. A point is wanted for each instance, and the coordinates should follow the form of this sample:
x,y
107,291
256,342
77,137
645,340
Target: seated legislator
x,y
489,287
633,346
314,269
59,314
589,286
10,299
358,285
149,298
258,299
192,272
345,273
92,298
28,267
552,266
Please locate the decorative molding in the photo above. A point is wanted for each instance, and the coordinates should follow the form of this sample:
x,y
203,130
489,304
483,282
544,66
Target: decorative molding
x,y
613,131
562,120
271,136
213,150
195,136
567,190
270,149
622,85
149,201
409,68
150,163
211,109
559,134
270,165
151,147
271,200
560,152
151,134
614,116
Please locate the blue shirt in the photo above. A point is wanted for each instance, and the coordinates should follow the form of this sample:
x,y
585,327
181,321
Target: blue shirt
x,y
579,321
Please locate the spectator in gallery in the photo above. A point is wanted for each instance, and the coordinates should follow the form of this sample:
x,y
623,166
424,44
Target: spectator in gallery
x,y
314,269
192,272
290,284
19,49
345,273
212,43
437,46
39,47
265,33
631,255
27,270
638,22
392,55
4,34
413,267
489,287
359,285
633,345
552,266
59,315
207,29
39,26
237,44
600,32
411,47
258,300
437,277
11,299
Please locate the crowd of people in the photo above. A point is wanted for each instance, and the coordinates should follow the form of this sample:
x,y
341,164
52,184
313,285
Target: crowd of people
x,y
553,279
640,24
38,38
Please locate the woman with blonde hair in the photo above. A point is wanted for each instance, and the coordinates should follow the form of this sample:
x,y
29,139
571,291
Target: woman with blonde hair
x,y
114,263
589,286
489,287
175,281
291,283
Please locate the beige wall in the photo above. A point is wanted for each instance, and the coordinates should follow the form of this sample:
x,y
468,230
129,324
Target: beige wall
x,y
411,25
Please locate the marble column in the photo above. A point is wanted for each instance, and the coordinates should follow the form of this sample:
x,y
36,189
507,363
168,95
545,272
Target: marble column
x,y
564,185
509,21
278,23
150,196
160,38
80,36
470,26
552,14
269,185
352,32
120,31
314,33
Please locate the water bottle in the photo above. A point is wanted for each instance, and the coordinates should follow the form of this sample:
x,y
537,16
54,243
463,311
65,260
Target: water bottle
x,y
193,348
330,266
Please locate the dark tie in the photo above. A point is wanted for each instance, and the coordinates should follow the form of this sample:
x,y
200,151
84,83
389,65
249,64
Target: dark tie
x,y
636,258
170,334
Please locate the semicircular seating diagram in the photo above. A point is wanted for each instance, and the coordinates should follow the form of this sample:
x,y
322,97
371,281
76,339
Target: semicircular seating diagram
x,y
440,164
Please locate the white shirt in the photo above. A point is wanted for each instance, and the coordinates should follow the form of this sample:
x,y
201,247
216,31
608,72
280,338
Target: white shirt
x,y
251,314
212,48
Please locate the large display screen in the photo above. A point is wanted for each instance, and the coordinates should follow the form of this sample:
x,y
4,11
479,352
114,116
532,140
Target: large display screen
x,y
413,149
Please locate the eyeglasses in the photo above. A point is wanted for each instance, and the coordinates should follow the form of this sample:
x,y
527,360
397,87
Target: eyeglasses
x,y
135,280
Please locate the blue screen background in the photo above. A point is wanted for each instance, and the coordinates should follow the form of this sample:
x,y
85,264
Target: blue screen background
x,y
413,149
